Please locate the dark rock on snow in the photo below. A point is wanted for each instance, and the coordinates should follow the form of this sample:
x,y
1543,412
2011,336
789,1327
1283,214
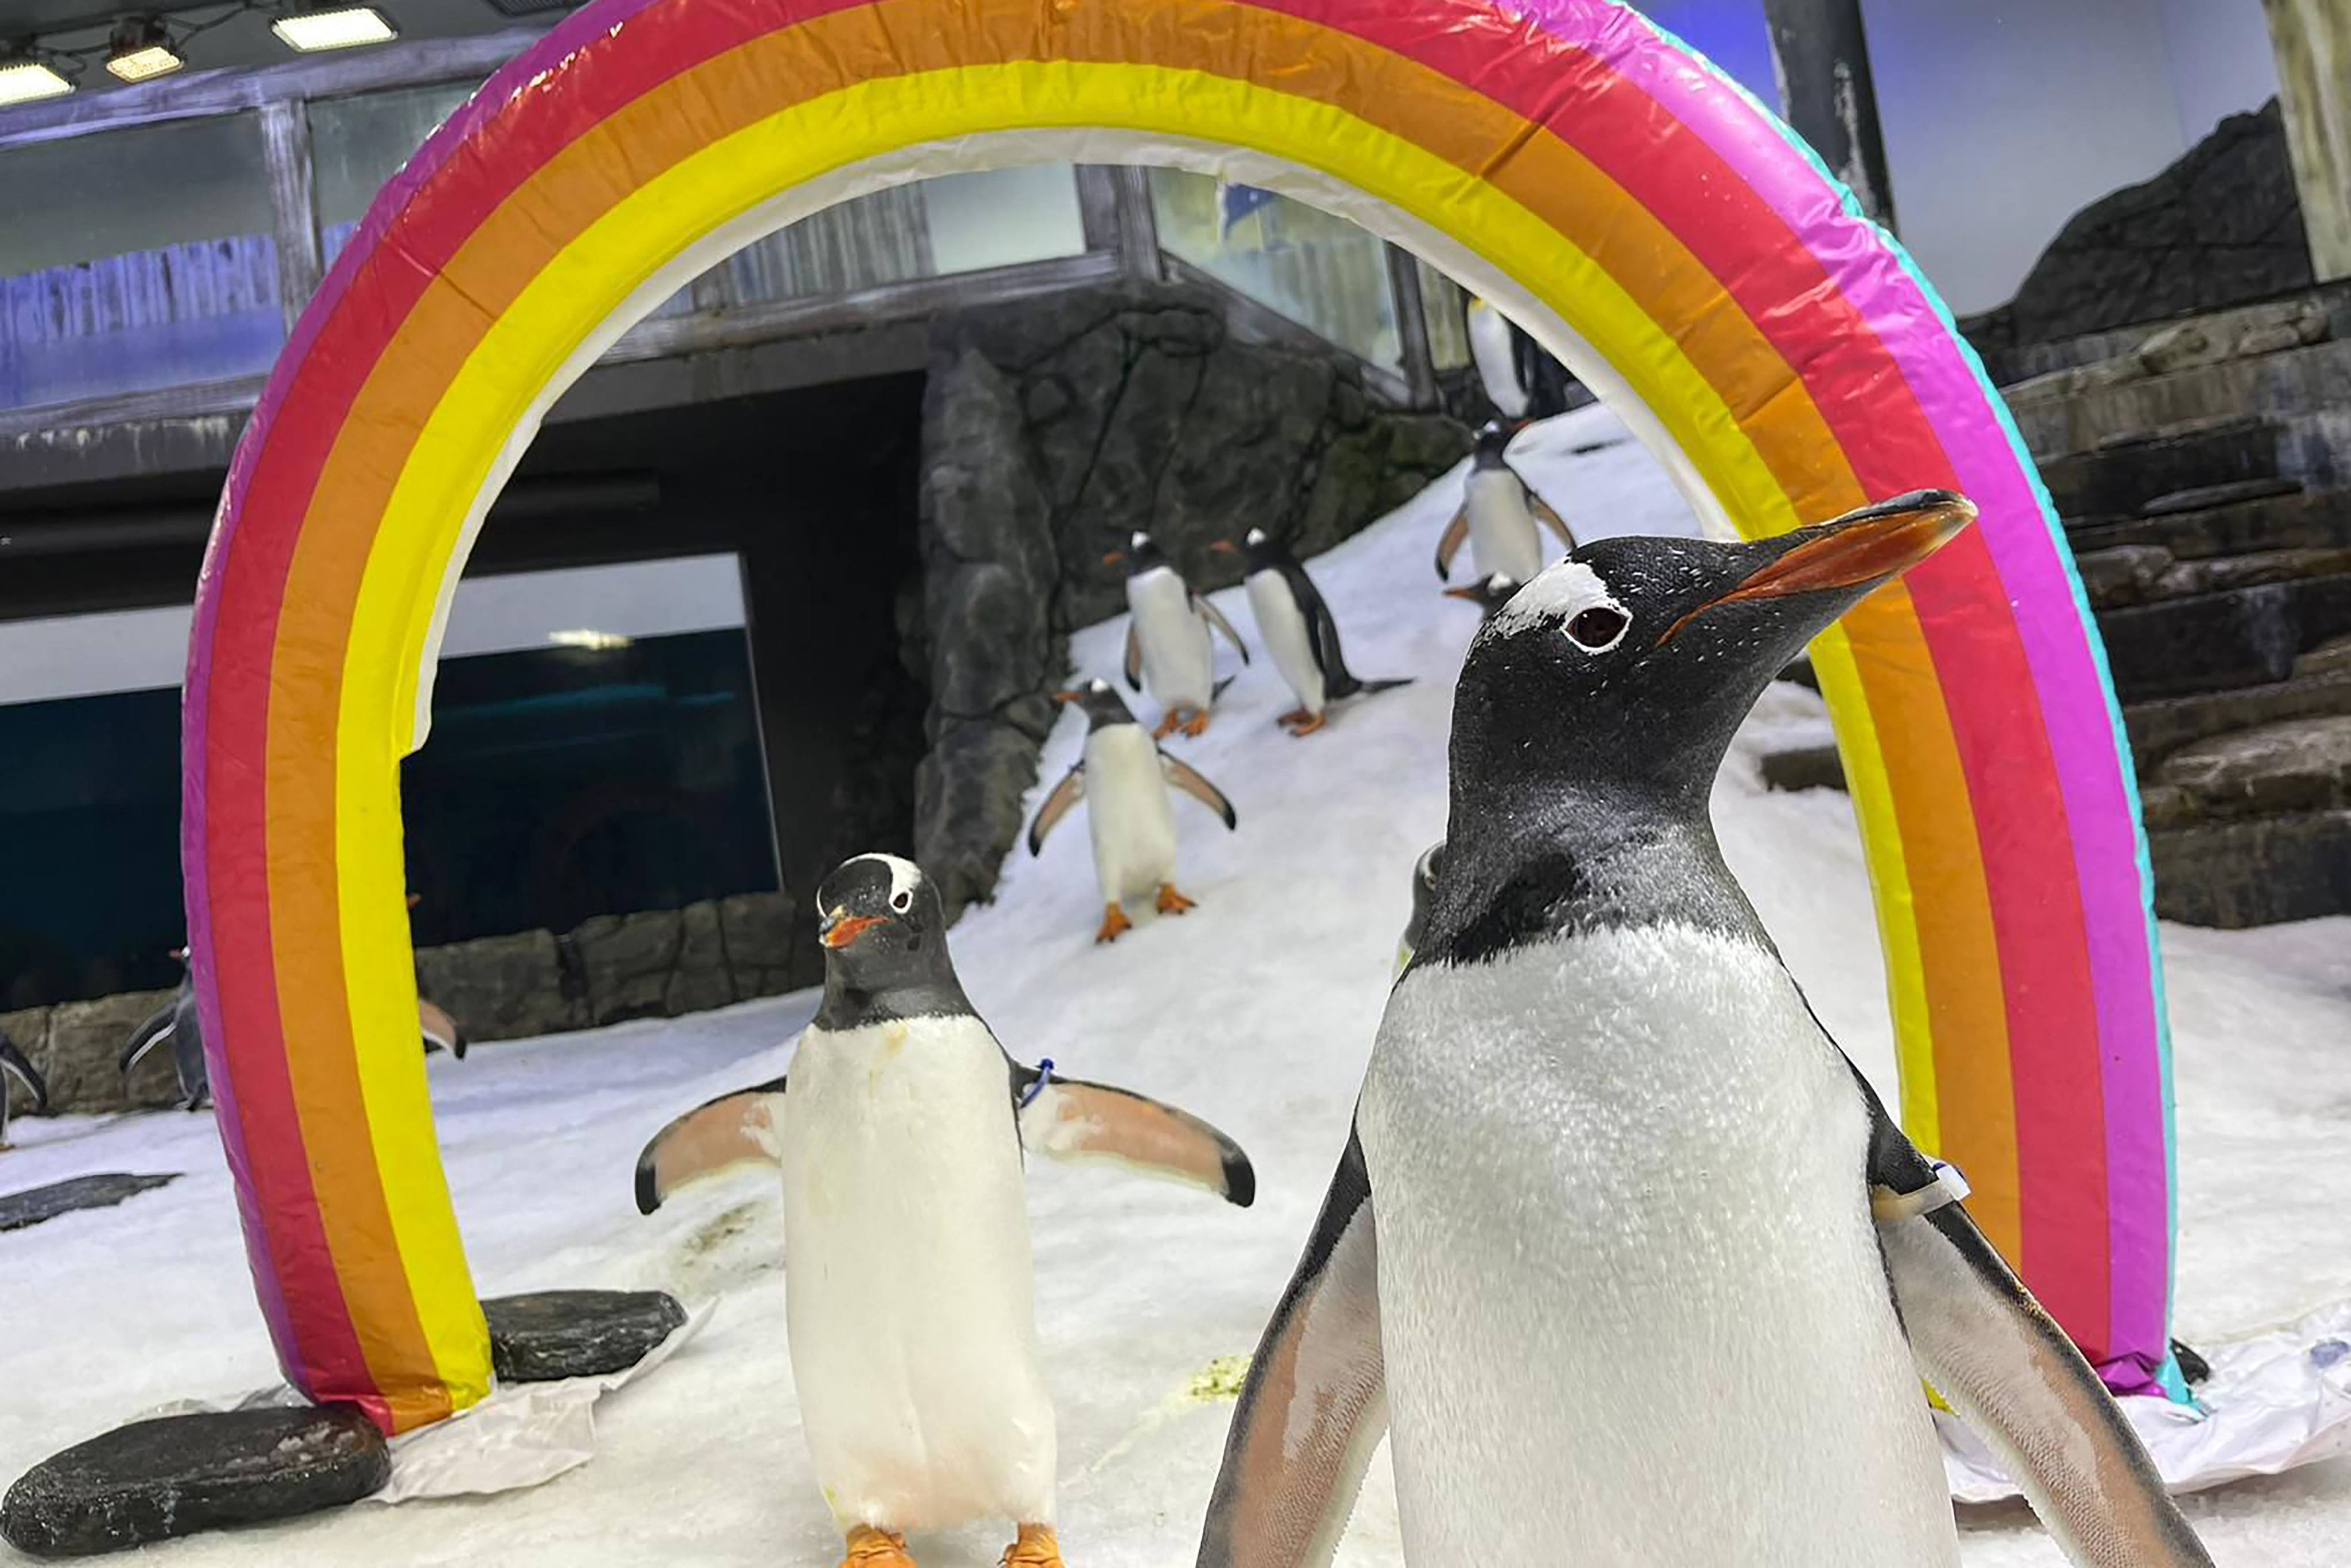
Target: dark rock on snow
x,y
555,1335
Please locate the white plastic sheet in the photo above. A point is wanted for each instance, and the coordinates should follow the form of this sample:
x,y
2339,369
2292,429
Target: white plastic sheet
x,y
2276,1400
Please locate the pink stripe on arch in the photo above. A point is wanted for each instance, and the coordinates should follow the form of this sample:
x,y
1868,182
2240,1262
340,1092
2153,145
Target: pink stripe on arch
x,y
2080,722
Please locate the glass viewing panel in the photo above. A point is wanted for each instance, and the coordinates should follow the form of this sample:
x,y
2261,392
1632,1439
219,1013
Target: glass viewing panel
x,y
1321,271
955,223
136,259
1445,304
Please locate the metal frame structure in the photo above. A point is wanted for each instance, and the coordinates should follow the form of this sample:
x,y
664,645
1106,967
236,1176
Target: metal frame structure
x,y
1114,203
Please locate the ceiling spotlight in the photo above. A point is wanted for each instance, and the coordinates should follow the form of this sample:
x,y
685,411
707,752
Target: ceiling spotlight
x,y
583,637
142,50
341,27
24,81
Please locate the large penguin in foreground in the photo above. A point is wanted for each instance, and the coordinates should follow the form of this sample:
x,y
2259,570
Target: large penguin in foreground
x,y
1299,630
1622,1252
1168,650
1124,777
12,1064
910,1291
1498,516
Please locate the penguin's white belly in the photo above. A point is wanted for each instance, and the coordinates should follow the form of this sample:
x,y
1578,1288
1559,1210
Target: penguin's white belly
x,y
910,1293
1631,1300
1129,813
1282,625
1502,529
1179,664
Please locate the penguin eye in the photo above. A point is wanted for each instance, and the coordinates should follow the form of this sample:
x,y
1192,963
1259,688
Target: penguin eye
x,y
1597,629
902,900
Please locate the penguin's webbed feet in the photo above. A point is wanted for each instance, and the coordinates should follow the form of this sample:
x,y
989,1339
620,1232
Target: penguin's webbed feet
x,y
1197,725
1115,924
1295,716
1306,723
872,1548
1166,725
1171,901
1036,1548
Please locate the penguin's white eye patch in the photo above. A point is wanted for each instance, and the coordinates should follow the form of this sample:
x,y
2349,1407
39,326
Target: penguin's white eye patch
x,y
1598,629
902,900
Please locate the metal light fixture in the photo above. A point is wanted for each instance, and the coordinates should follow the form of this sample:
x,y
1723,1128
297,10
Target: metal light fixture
x,y
25,80
342,27
140,50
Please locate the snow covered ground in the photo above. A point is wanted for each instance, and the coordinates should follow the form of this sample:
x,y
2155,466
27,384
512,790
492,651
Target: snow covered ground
x,y
1256,1012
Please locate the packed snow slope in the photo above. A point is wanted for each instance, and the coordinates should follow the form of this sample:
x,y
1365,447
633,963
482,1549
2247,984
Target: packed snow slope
x,y
1258,1011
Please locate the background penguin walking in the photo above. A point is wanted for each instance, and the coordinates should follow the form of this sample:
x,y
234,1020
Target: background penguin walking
x,y
12,1064
1498,516
910,1291
1297,628
1125,775
1168,650
1621,1250
1521,380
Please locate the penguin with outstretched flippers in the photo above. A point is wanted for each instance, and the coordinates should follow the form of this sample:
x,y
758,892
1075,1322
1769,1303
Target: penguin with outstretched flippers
x,y
1622,1249
911,1298
1123,777
1168,650
1488,594
1298,631
13,1064
1498,516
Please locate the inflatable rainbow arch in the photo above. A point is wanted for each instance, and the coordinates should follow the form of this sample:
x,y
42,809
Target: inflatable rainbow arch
x,y
1635,211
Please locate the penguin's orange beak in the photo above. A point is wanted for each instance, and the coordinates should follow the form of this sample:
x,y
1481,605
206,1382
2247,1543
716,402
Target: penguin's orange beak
x,y
1223,546
1069,697
1114,557
1861,549
1467,590
841,930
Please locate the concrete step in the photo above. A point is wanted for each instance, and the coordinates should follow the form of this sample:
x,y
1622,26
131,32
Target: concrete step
x,y
2120,477
2307,390
2148,574
2239,328
2257,871
2311,520
2161,727
2212,641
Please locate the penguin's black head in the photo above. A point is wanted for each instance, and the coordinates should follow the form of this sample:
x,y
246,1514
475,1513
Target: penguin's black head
x,y
1494,441
1100,702
1141,555
882,925
1257,550
1620,674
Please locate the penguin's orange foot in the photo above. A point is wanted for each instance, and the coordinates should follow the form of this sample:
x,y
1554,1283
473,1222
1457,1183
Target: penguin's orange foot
x,y
1166,726
1295,716
1115,924
872,1548
1309,723
1171,901
1198,725
1035,1548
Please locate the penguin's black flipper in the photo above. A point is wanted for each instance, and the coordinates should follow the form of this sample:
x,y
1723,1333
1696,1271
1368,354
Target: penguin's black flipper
x,y
1548,518
15,1063
1449,545
1068,1119
738,1129
2000,1361
188,1051
1058,805
1134,655
1315,1404
1185,778
440,1030
154,1030
1215,617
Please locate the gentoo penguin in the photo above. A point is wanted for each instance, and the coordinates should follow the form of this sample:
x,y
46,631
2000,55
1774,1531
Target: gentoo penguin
x,y
910,1294
1521,380
1498,516
1488,594
1424,889
1621,1250
1298,630
1125,775
1167,646
12,1064
176,1024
